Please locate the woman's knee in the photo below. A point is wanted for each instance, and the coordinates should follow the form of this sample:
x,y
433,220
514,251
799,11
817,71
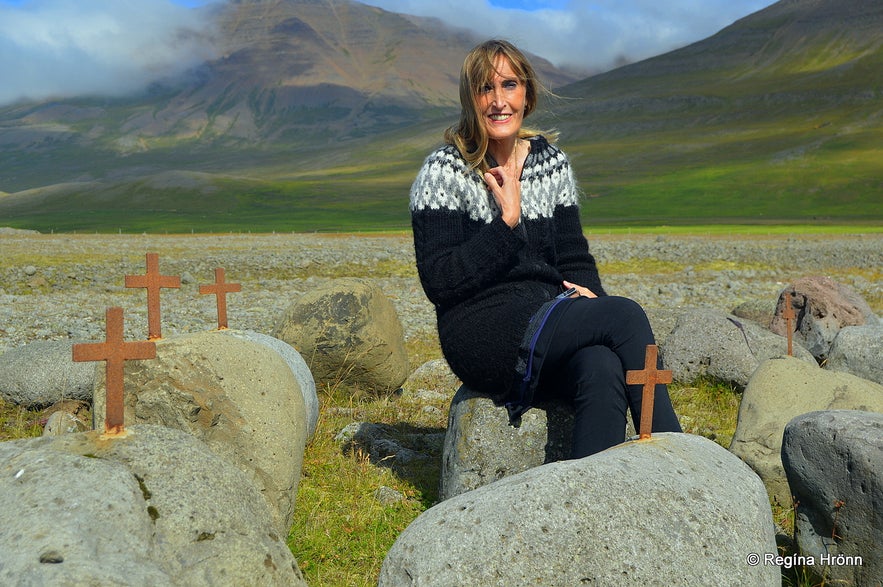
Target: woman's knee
x,y
627,308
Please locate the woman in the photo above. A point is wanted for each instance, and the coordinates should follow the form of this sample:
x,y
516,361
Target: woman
x,y
498,240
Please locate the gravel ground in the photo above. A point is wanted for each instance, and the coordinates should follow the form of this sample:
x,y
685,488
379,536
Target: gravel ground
x,y
58,286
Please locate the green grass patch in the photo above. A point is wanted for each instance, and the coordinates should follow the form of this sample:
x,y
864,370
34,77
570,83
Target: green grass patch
x,y
707,408
18,422
640,266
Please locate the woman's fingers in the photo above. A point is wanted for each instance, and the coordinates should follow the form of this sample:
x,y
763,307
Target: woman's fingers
x,y
507,193
583,291
493,178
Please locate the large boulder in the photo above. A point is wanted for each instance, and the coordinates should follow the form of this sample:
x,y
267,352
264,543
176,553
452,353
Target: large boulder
x,y
780,390
238,396
42,373
433,376
712,343
822,307
757,310
348,331
481,447
155,507
834,463
673,510
663,321
298,368
858,350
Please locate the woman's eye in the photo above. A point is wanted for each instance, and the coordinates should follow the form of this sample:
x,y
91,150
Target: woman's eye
x,y
510,84
486,88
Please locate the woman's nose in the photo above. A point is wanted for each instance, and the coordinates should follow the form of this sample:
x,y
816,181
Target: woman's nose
x,y
498,99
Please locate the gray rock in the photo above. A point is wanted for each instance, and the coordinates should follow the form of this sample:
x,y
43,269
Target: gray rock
x,y
348,331
674,510
62,422
481,447
41,373
298,367
153,508
434,375
759,311
238,396
662,321
823,306
834,463
388,496
780,390
711,343
858,350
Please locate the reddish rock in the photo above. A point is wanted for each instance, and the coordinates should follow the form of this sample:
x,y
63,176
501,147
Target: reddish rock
x,y
822,307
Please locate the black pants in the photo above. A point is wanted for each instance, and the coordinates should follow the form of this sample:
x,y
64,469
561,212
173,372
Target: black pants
x,y
592,345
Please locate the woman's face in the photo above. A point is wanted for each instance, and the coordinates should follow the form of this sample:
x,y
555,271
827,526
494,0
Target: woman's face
x,y
501,102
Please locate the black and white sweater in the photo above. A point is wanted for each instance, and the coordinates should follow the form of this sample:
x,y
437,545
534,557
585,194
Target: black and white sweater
x,y
486,279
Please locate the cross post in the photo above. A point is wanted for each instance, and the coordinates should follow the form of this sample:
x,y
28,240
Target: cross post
x,y
220,289
114,352
649,376
789,316
152,281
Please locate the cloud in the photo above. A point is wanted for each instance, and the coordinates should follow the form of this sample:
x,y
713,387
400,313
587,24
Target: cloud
x,y
62,48
587,35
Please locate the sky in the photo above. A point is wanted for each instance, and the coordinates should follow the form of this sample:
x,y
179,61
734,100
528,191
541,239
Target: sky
x,y
64,48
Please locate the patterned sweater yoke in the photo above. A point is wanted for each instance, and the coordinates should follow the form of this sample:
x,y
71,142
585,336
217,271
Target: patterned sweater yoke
x,y
445,182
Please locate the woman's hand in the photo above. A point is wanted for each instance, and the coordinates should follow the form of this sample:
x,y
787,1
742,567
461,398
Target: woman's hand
x,y
507,192
583,291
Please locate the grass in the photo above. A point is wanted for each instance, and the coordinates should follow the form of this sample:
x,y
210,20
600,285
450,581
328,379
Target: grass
x,y
17,422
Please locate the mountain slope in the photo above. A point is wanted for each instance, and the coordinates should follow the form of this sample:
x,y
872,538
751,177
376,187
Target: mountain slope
x,y
296,86
316,114
776,117
287,72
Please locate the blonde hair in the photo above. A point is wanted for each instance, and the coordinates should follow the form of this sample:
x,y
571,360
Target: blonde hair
x,y
469,135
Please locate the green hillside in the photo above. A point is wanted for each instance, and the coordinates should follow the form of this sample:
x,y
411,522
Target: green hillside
x,y
776,119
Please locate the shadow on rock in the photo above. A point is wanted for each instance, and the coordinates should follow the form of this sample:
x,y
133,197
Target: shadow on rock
x,y
412,452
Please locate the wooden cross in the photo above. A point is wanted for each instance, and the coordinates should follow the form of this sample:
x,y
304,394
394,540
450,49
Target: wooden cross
x,y
650,376
152,281
220,289
114,351
788,315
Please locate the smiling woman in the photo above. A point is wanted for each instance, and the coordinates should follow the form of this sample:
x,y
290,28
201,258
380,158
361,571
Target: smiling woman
x,y
521,313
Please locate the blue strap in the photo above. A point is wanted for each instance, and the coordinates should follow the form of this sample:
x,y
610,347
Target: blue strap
x,y
525,364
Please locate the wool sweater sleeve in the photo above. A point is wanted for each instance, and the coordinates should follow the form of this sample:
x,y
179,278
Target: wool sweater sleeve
x,y
575,262
457,253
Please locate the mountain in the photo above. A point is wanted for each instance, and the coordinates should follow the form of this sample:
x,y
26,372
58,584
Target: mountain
x,y
296,87
315,115
298,70
286,72
776,117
